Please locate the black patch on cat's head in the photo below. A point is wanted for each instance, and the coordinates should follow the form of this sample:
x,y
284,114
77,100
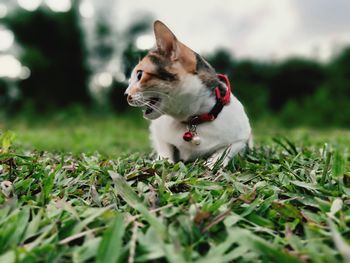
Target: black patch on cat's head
x,y
208,75
202,65
161,71
206,72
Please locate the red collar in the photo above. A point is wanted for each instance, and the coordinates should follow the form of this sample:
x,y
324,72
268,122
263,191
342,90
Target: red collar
x,y
193,121
220,103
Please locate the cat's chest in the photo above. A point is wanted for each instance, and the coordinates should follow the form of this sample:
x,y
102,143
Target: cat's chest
x,y
188,150
172,133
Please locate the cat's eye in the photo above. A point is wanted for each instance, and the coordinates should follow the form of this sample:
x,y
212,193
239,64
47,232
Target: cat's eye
x,y
139,74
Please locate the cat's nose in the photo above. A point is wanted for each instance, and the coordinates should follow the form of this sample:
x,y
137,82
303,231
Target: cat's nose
x,y
130,99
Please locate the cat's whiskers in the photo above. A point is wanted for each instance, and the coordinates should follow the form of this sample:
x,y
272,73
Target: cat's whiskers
x,y
146,92
155,108
161,95
140,101
172,103
169,96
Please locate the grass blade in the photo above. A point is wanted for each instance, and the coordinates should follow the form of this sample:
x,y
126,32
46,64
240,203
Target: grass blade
x,y
246,238
111,246
129,196
342,246
326,168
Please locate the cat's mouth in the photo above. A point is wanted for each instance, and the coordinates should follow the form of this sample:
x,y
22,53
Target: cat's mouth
x,y
151,108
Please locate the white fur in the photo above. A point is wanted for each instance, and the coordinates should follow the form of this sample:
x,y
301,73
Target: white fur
x,y
230,132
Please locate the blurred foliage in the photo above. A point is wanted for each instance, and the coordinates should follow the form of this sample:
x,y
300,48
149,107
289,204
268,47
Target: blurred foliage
x,y
53,49
297,91
294,79
130,57
104,49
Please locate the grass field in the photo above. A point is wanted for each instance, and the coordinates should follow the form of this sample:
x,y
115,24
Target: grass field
x,y
87,189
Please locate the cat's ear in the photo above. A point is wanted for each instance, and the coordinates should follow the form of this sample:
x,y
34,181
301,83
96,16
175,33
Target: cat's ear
x,y
166,41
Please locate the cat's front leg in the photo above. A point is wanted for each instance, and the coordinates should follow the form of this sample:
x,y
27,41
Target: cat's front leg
x,y
224,155
163,149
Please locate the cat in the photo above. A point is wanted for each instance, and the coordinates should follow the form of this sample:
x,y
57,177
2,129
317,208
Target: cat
x,y
192,111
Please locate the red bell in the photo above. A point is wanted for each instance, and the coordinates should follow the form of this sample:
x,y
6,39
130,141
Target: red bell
x,y
187,136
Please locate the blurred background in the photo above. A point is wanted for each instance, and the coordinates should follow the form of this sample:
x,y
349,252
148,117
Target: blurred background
x,y
64,66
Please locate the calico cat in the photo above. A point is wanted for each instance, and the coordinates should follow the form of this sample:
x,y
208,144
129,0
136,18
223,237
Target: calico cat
x,y
192,111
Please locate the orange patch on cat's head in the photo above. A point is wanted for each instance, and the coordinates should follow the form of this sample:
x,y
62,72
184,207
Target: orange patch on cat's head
x,y
181,58
146,65
148,68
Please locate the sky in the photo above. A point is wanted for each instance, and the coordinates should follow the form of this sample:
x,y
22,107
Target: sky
x,y
270,29
267,30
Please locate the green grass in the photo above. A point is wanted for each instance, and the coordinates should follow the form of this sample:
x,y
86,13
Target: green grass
x,y
67,132
113,135
285,201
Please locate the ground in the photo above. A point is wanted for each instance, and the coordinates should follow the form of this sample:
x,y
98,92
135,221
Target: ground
x,y
89,190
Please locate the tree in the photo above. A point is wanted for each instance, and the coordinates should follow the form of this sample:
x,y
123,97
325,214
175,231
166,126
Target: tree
x,y
294,79
53,50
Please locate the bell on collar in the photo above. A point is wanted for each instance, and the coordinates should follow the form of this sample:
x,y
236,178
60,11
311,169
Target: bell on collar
x,y
188,136
196,140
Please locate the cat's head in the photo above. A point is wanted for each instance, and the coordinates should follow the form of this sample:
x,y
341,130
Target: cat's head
x,y
166,74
